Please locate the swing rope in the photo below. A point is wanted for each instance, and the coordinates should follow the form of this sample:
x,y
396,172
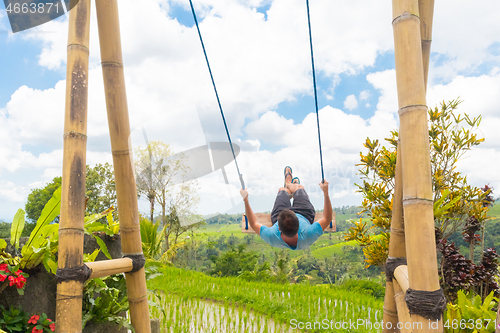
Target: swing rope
x,y
315,90
216,94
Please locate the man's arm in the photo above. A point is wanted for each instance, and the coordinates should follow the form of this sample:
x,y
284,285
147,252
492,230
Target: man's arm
x,y
252,219
327,210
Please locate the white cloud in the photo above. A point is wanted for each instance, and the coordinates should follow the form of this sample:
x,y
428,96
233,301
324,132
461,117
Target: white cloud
x,y
350,102
364,95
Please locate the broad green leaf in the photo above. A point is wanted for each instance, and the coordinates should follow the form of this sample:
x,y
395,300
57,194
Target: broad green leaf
x,y
49,213
3,246
91,257
103,246
17,228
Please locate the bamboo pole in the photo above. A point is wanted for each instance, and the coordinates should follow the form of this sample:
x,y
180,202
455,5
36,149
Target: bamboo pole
x,y
110,267
417,183
426,11
119,127
71,222
401,275
405,323
397,247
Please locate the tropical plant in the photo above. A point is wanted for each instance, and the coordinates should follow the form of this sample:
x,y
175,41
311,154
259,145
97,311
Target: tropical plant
x,y
12,276
37,200
104,300
13,319
471,315
41,324
450,137
152,238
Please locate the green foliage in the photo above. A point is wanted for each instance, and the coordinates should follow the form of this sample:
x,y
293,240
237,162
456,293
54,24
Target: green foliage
x,y
261,272
365,287
470,315
451,135
151,238
41,324
42,244
4,229
100,188
13,320
281,302
104,299
17,228
37,200
234,261
93,227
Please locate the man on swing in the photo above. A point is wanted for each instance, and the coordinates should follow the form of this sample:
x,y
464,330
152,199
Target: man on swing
x,y
296,228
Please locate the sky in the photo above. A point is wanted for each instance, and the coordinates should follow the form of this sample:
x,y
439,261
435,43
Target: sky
x,y
260,57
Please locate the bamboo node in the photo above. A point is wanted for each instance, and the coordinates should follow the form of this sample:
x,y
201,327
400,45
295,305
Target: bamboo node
x,y
74,134
391,264
397,231
112,64
415,201
121,152
138,261
80,274
78,46
404,16
138,300
390,313
410,108
427,304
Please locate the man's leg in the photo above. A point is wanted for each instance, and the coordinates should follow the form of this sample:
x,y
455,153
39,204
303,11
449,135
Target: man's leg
x,y
301,203
283,198
282,202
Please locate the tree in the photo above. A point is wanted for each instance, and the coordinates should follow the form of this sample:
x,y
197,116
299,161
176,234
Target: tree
x,y
451,136
156,173
100,194
37,199
100,188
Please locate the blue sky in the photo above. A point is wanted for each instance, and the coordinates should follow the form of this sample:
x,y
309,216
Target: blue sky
x,y
259,53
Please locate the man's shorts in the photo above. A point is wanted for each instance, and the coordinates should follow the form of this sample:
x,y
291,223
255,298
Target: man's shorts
x,y
301,205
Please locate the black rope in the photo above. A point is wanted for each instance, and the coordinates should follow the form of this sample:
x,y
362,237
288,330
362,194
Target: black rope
x,y
391,264
315,90
138,261
428,304
216,94
80,274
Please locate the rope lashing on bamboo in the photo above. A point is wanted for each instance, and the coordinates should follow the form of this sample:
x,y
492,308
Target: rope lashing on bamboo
x,y
391,264
216,94
427,304
138,261
80,274
315,92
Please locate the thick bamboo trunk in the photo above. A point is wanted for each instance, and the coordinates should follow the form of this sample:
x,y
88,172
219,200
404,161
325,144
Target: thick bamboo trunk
x,y
110,267
71,223
415,154
119,128
396,245
426,11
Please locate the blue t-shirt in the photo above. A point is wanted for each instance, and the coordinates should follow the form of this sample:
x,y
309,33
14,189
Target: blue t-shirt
x,y
308,233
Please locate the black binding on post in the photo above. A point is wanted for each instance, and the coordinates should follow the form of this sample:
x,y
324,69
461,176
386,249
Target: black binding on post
x,y
138,261
428,304
391,264
80,274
